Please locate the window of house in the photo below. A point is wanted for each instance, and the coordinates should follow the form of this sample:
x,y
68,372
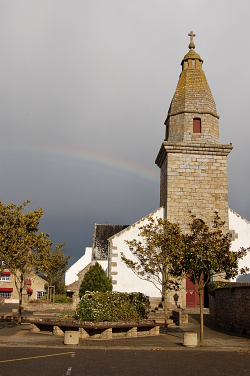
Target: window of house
x,y
5,294
197,125
5,275
4,278
39,294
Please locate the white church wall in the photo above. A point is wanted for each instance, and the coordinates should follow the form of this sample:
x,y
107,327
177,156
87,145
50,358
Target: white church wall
x,y
240,229
124,280
71,273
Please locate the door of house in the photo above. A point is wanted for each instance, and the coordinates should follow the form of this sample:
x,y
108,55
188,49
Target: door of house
x,y
192,298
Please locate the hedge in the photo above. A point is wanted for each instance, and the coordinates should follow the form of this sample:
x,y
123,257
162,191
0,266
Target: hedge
x,y
112,306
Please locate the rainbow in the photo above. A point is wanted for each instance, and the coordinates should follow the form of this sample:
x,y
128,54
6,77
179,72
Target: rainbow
x,y
93,158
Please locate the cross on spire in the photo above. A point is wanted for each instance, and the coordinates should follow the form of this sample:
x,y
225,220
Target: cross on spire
x,y
191,35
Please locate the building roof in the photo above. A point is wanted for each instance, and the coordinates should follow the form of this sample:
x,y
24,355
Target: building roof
x,y
100,240
193,93
140,221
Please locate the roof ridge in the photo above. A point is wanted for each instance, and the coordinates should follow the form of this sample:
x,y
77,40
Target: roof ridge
x,y
133,224
238,215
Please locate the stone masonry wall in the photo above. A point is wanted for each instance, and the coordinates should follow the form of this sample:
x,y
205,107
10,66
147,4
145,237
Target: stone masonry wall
x,y
230,306
196,182
163,183
181,128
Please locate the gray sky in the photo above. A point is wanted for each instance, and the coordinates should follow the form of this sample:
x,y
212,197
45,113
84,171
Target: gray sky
x,y
85,90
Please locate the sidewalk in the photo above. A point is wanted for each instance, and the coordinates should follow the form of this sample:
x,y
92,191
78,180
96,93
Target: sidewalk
x,y
215,339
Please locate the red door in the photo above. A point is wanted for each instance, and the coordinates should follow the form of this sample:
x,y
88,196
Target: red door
x,y
192,298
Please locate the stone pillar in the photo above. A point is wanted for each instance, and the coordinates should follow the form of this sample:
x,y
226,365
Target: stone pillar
x,y
132,332
106,334
35,328
154,331
83,334
57,331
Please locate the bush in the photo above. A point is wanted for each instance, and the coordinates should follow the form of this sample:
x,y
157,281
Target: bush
x,y
43,298
60,298
112,306
95,280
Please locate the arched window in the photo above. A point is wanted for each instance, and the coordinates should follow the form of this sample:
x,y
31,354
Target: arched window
x,y
196,125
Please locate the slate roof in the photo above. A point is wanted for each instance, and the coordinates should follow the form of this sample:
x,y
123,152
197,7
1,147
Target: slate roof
x,y
193,92
100,241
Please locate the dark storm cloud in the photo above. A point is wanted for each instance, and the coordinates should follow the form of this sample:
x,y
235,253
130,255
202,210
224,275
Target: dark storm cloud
x,y
100,75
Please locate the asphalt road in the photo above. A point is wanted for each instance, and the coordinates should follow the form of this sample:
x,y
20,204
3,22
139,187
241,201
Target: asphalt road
x,y
55,362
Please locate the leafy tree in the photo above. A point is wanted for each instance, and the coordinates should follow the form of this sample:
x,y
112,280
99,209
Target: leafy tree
x,y
23,248
95,280
55,268
161,240
206,251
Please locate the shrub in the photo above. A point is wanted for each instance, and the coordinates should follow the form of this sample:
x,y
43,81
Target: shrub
x,y
60,298
43,298
112,306
95,280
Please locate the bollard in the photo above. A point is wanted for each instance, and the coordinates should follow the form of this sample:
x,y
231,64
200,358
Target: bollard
x,y
190,339
71,337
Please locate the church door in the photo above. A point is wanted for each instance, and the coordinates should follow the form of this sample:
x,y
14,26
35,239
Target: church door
x,y
192,298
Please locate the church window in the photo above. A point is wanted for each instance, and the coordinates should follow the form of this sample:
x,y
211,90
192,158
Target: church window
x,y
196,125
232,235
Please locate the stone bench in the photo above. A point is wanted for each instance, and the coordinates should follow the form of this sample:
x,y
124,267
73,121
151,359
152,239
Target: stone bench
x,y
104,331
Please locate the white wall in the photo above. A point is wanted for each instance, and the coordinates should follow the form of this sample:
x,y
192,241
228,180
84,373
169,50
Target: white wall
x,y
241,227
127,281
71,273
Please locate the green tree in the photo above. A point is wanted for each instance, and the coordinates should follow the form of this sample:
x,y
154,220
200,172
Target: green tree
x,y
56,266
206,251
95,280
23,248
160,241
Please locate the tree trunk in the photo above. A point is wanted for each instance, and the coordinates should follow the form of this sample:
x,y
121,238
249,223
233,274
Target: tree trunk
x,y
164,278
20,300
201,314
165,306
20,306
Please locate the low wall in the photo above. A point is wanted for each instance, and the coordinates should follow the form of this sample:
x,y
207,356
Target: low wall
x,y
229,306
46,306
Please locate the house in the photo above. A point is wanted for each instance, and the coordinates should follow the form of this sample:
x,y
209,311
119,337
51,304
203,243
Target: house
x,y
98,252
34,287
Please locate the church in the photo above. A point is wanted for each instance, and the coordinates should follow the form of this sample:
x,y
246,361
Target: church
x,y
193,177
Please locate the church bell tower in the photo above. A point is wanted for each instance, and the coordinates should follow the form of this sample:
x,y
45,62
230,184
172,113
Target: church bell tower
x,y
192,160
